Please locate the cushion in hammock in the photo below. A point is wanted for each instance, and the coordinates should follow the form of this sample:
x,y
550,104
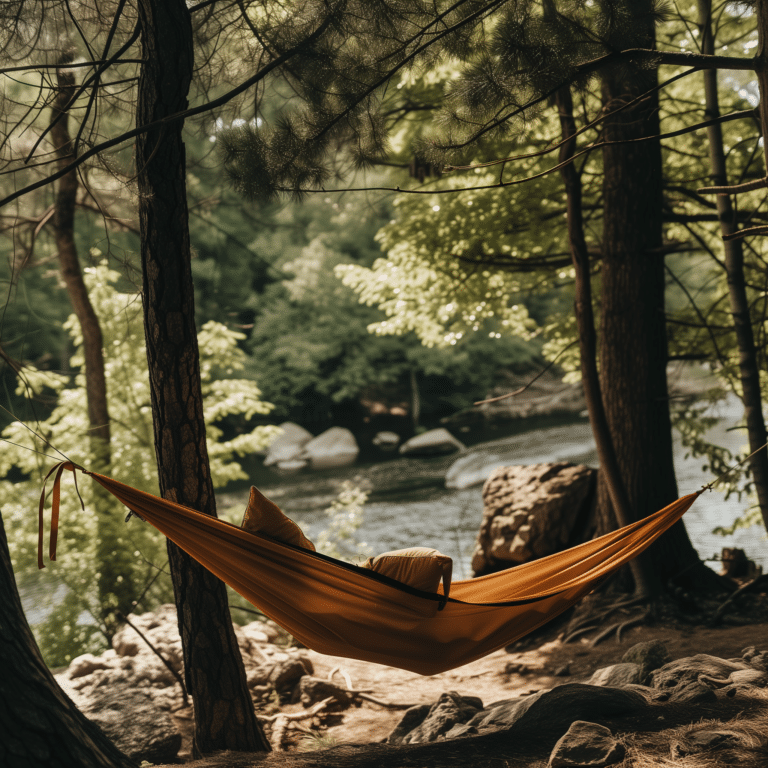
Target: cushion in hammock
x,y
419,567
265,517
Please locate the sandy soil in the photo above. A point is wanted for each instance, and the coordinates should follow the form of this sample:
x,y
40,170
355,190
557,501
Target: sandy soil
x,y
503,675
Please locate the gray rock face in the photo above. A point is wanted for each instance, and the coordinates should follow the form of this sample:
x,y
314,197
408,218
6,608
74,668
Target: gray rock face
x,y
617,675
449,710
586,745
530,512
132,720
649,657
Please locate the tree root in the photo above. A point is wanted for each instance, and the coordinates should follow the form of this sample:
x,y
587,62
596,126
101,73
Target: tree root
x,y
726,604
280,722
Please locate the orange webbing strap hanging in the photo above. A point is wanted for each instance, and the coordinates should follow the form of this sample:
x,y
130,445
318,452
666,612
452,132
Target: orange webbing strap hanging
x,y
55,505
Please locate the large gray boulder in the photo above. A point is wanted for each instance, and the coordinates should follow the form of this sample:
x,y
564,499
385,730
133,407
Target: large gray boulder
x,y
288,445
336,447
530,512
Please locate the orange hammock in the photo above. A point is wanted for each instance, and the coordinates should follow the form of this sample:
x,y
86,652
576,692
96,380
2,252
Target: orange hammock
x,y
341,609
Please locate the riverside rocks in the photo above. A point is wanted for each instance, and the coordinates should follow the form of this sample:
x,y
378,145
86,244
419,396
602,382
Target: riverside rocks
x,y
530,512
134,696
610,692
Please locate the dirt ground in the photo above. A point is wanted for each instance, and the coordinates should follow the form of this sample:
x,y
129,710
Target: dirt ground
x,y
499,676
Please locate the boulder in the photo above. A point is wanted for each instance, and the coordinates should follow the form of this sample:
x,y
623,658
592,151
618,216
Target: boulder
x,y
336,447
559,706
530,512
288,445
433,442
449,710
586,745
649,656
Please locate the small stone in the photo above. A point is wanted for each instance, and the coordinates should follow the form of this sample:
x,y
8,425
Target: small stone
x,y
562,671
648,656
586,745
692,692
617,675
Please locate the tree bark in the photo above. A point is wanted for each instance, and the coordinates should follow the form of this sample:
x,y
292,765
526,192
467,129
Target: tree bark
x,y
40,727
749,370
633,343
585,322
115,571
215,677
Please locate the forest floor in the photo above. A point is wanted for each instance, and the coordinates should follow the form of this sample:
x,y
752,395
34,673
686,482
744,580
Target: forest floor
x,y
544,663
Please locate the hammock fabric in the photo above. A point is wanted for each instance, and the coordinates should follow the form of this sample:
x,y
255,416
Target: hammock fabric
x,y
341,609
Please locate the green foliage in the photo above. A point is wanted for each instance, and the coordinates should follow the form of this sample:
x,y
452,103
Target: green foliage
x,y
140,546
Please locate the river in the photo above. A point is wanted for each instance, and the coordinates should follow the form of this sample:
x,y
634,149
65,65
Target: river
x,y
410,505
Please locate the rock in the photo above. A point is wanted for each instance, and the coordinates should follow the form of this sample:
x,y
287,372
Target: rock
x,y
313,689
754,677
86,664
413,717
134,723
530,512
586,745
617,675
689,669
288,445
386,441
649,656
431,443
692,692
449,710
559,706
336,447
704,740
286,674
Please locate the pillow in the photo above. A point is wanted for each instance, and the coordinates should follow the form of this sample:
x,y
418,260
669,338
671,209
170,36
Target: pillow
x,y
265,517
419,567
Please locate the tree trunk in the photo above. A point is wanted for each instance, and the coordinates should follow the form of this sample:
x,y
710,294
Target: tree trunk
x,y
115,571
633,343
609,468
749,371
224,716
40,727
